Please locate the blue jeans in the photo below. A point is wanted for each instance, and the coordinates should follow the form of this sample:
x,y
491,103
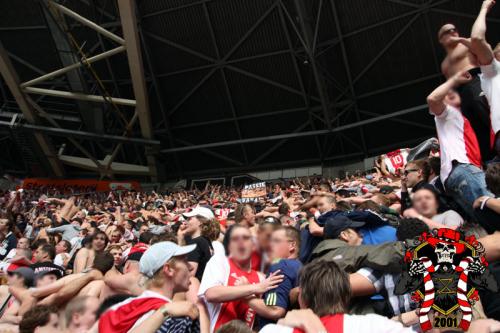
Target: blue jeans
x,y
465,184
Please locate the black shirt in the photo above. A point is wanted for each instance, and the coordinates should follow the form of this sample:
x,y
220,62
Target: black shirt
x,y
200,255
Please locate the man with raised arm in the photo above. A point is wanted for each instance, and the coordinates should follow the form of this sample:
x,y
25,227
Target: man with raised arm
x,y
467,55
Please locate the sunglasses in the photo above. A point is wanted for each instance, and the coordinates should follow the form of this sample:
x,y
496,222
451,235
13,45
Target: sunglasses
x,y
407,172
448,32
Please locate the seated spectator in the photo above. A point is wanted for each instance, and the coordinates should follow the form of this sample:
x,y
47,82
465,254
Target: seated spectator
x,y
325,289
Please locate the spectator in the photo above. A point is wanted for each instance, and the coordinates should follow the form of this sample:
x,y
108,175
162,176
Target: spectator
x,y
22,243
9,241
68,231
80,314
62,253
228,281
40,319
190,232
285,245
325,289
460,158
85,256
415,174
426,208
166,267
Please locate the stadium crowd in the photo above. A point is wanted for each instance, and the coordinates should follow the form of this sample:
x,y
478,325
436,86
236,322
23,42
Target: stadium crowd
x,y
311,255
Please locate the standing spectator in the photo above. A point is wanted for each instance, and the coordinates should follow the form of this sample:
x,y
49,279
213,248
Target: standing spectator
x,y
460,155
461,59
285,245
190,232
228,281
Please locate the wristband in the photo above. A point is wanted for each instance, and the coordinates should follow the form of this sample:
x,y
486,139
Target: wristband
x,y
483,203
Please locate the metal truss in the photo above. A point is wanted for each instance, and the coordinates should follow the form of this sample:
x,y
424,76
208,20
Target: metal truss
x,y
298,134
32,111
307,32
326,105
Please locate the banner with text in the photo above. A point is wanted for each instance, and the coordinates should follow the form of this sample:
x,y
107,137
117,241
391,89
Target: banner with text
x,y
252,192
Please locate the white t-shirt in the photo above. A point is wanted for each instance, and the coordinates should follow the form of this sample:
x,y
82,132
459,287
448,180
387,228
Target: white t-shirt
x,y
450,218
59,259
490,83
457,140
370,323
216,274
218,249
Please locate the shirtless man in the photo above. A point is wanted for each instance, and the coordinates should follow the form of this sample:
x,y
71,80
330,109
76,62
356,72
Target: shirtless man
x,y
467,54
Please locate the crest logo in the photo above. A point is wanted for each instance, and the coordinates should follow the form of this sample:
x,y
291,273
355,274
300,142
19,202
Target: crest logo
x,y
444,271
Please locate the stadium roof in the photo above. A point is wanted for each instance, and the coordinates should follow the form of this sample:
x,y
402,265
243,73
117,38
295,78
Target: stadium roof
x,y
219,86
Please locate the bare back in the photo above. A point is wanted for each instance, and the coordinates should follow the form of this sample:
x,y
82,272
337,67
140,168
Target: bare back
x,y
458,59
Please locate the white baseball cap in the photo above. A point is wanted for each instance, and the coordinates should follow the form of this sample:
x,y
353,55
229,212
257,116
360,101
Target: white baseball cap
x,y
201,211
158,254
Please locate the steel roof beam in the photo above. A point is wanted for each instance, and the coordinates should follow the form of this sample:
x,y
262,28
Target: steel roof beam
x,y
11,78
128,19
159,98
300,80
82,134
348,71
297,135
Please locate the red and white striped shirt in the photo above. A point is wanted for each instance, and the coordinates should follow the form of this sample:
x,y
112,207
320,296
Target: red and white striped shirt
x,y
457,140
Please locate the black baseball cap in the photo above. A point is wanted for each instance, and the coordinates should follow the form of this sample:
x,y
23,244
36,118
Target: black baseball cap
x,y
335,225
